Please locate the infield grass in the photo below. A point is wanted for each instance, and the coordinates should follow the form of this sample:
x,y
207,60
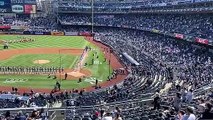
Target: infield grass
x,y
55,60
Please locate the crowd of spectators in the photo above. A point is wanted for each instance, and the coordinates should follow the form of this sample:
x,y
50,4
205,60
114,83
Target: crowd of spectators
x,y
133,6
196,25
38,23
187,61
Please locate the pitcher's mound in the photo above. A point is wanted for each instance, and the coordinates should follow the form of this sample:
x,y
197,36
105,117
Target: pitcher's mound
x,y
41,61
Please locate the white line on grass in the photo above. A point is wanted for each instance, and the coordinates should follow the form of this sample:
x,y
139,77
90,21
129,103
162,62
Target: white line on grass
x,y
76,58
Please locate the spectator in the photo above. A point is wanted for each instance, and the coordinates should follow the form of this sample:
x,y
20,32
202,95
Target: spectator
x,y
189,96
180,115
177,102
157,102
189,114
20,116
118,117
207,114
107,116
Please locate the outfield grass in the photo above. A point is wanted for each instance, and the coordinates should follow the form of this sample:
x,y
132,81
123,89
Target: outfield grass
x,y
100,70
46,41
56,60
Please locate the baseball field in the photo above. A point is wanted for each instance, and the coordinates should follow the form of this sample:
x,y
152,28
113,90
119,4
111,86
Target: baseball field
x,y
35,55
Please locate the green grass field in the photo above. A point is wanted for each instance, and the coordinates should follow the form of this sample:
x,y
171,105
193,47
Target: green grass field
x,y
67,61
99,70
46,41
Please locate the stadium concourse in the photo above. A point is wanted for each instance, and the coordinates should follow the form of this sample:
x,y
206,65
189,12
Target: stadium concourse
x,y
167,51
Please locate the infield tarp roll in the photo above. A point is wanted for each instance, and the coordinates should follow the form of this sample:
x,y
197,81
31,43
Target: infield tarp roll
x,y
132,60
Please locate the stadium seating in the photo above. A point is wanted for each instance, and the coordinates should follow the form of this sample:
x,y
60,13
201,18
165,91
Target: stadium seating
x,y
167,66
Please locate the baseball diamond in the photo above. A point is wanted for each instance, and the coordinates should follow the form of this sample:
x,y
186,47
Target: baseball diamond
x,y
39,61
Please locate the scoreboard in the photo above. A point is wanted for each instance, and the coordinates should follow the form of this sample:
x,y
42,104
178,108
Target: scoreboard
x,y
18,6
5,6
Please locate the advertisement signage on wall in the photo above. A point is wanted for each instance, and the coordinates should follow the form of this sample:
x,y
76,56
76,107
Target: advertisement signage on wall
x,y
29,9
85,34
57,33
71,33
202,41
15,27
36,33
155,31
22,6
179,36
5,27
17,8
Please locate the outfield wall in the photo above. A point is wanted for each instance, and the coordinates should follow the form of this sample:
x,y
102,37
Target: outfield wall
x,y
47,33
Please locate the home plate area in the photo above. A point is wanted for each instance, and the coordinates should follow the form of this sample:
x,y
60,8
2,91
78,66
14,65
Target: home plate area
x,y
74,74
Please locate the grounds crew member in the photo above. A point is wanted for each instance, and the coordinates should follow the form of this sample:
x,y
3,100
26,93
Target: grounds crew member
x,y
65,76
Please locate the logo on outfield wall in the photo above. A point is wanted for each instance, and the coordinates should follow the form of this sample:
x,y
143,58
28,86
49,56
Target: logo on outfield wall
x,y
57,33
18,8
92,80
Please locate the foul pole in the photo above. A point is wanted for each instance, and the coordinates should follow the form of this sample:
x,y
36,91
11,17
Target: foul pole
x,y
60,65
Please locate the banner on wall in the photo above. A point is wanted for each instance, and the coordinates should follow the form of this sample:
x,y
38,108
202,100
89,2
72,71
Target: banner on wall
x,y
14,27
180,36
36,33
71,33
202,41
57,33
85,34
5,27
155,31
18,8
29,9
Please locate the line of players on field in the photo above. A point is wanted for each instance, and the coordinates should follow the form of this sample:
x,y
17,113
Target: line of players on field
x,y
30,70
22,40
